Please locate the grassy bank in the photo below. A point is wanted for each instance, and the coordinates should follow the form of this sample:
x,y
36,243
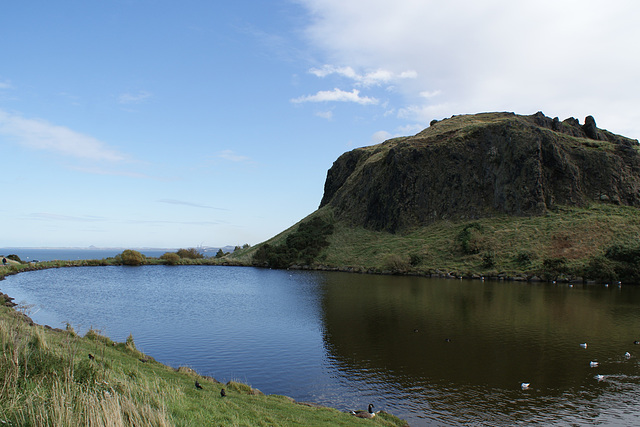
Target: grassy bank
x,y
567,243
48,378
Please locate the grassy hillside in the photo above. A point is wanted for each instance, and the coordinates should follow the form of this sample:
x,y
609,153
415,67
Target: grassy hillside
x,y
568,242
48,378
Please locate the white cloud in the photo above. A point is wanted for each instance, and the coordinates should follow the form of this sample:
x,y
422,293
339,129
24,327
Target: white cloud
x,y
41,135
570,58
325,114
372,78
380,137
184,203
134,98
336,95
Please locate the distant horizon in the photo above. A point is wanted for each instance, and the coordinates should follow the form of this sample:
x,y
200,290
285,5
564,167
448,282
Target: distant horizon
x,y
93,247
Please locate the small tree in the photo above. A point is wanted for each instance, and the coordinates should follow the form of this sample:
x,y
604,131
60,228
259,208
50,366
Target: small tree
x,y
220,253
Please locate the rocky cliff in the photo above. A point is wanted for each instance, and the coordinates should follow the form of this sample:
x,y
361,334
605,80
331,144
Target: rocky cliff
x,y
473,166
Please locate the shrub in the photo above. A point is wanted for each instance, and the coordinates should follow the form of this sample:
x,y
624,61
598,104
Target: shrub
x,y
488,260
191,253
524,257
415,259
602,269
470,239
396,263
131,257
553,267
170,258
129,342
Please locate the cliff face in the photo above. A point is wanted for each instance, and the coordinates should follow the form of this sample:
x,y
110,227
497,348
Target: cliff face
x,y
474,166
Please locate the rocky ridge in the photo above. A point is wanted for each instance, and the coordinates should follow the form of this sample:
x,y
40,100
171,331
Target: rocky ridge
x,y
482,165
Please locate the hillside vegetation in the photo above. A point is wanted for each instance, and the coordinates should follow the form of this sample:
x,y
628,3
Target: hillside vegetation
x,y
492,195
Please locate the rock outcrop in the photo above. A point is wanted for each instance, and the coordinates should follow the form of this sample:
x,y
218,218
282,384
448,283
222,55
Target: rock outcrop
x,y
474,166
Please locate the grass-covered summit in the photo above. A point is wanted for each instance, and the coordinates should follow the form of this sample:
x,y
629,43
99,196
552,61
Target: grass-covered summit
x,y
492,194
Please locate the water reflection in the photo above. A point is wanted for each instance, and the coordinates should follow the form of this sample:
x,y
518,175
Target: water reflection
x,y
457,351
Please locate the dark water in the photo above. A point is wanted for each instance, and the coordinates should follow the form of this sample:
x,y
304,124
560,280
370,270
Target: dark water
x,y
435,352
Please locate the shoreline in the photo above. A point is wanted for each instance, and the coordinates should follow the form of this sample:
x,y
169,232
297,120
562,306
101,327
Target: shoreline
x,y
7,301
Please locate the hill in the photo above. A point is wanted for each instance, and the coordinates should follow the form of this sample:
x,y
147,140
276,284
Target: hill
x,y
491,194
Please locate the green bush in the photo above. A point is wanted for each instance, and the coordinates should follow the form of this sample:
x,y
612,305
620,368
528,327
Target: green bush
x,y
470,239
488,260
396,263
131,257
191,253
553,267
524,257
170,258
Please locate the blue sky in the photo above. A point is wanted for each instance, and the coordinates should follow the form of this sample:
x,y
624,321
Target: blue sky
x,y
139,123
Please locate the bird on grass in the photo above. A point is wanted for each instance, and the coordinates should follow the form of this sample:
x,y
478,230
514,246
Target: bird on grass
x,y
91,357
365,414
198,386
223,393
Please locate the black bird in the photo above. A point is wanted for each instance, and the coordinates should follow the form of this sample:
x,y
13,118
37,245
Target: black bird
x,y
198,386
223,393
91,356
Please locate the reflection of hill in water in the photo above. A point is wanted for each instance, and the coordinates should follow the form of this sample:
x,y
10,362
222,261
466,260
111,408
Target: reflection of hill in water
x,y
501,333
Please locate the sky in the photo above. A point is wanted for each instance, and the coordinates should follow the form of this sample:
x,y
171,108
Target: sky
x,y
153,123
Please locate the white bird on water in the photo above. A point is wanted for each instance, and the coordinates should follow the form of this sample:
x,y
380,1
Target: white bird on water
x,y
599,377
593,364
627,355
525,386
583,345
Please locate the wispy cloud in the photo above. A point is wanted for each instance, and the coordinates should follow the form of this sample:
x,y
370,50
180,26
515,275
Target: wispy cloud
x,y
336,95
5,85
47,216
233,157
325,114
190,204
134,98
42,135
112,172
163,222
372,78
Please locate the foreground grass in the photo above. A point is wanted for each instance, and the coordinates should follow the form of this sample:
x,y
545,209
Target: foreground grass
x,y
49,379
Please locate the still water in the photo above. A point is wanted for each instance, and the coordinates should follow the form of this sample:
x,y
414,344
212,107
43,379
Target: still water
x,y
434,352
